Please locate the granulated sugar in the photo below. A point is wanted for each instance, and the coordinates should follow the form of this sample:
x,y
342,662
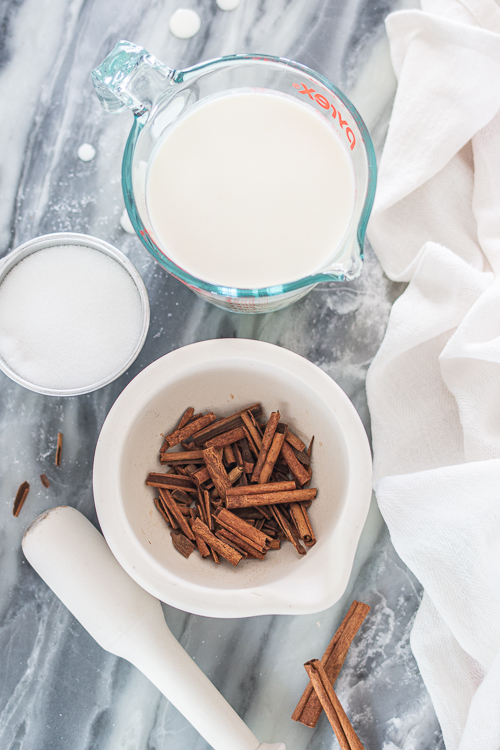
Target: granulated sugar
x,y
70,316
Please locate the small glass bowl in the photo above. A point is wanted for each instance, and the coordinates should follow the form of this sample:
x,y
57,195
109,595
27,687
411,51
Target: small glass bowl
x,y
83,240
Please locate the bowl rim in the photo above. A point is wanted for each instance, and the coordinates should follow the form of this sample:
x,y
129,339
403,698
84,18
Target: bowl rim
x,y
44,241
297,592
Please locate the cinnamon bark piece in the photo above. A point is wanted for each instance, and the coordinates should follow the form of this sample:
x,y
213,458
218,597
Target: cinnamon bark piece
x,y
220,535
273,453
269,498
248,464
182,543
233,523
186,417
288,530
229,457
297,443
226,438
235,474
302,457
59,446
300,518
216,469
267,439
21,495
175,512
225,424
201,475
182,457
259,489
165,513
299,472
208,509
45,480
309,709
181,497
189,430
242,543
250,442
275,544
215,556
344,731
222,549
170,481
252,430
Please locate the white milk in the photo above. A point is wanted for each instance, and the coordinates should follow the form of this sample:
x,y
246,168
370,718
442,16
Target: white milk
x,y
250,190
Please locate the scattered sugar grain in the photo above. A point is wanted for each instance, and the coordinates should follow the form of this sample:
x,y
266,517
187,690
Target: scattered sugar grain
x,y
228,4
125,223
184,23
86,152
70,316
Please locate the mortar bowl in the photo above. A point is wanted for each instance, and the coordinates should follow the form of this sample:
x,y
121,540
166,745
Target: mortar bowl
x,y
225,375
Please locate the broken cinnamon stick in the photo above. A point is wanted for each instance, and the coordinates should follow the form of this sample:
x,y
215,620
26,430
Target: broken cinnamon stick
x,y
267,439
299,472
21,495
182,543
178,435
45,480
222,549
175,512
59,445
270,498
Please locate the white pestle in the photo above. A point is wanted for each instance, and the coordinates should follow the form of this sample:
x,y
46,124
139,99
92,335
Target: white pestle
x,y
74,560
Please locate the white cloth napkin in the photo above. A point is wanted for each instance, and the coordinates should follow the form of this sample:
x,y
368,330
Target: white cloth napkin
x,y
434,386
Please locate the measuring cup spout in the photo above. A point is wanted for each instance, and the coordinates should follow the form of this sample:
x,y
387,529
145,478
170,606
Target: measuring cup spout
x,y
130,77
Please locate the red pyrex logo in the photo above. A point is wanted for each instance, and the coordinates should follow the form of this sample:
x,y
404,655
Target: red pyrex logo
x,y
323,102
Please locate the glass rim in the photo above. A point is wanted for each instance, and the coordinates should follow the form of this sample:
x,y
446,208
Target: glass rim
x,y
234,292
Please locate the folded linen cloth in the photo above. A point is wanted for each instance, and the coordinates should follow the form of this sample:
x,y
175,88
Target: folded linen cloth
x,y
434,386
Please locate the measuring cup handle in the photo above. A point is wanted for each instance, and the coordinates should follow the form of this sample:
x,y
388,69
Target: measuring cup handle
x,y
130,77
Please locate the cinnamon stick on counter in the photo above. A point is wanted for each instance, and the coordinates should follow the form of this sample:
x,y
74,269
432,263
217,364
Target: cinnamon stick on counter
x,y
347,737
59,445
21,495
309,709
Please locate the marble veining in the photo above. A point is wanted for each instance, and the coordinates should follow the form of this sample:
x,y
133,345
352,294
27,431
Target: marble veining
x,y
58,689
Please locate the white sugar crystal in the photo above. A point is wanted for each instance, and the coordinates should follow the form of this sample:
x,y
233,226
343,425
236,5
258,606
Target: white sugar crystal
x,y
228,4
184,23
70,316
125,223
86,152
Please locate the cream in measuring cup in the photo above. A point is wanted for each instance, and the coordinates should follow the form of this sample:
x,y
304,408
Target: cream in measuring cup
x,y
249,178
250,189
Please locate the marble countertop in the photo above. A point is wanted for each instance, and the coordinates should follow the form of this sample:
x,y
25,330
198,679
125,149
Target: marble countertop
x,y
58,689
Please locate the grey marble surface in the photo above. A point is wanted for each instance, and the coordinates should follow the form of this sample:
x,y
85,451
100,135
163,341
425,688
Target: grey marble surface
x,y
58,689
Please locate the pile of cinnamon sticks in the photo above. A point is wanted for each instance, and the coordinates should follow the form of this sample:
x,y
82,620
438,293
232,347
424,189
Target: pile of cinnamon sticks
x,y
238,486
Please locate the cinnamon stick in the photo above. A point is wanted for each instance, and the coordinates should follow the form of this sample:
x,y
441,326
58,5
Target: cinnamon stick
x,y
270,498
170,481
259,489
267,439
178,435
175,512
303,525
295,441
227,423
21,495
216,469
45,480
226,438
309,709
59,445
242,543
182,457
272,455
186,417
233,523
299,472
222,549
252,430
344,731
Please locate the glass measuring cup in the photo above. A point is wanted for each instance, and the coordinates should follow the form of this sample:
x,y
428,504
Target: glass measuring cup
x,y
160,97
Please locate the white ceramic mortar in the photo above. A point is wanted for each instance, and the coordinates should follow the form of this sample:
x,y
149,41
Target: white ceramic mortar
x,y
224,376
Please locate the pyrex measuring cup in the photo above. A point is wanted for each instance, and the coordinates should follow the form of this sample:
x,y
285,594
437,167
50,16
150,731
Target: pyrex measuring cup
x,y
160,97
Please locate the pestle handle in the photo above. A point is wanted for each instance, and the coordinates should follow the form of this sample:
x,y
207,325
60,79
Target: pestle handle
x,y
74,560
